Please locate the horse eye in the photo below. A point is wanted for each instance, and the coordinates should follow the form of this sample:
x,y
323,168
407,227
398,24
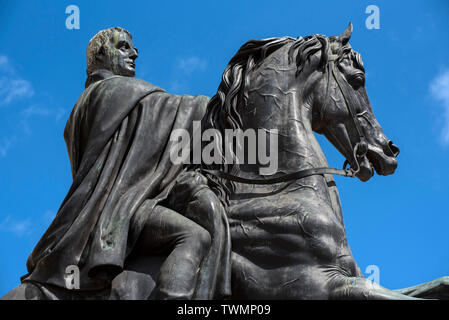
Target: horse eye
x,y
356,80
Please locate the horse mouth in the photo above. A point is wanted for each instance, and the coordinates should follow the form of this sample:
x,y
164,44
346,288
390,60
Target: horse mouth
x,y
377,160
366,169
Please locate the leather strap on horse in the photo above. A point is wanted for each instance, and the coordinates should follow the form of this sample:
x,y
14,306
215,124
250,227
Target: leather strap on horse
x,y
284,178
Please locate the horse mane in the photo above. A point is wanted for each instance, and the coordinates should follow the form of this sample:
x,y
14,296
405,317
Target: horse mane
x,y
223,109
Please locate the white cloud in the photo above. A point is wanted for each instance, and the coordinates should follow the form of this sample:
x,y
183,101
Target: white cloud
x,y
38,111
27,227
5,144
183,69
5,66
12,87
439,89
17,227
191,64
3,61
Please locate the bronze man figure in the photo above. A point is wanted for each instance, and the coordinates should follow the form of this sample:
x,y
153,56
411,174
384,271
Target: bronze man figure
x,y
115,215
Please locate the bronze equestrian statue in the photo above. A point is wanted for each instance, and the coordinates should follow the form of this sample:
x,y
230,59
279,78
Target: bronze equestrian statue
x,y
258,236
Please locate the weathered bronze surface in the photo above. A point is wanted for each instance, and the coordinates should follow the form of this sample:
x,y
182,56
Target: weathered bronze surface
x,y
140,227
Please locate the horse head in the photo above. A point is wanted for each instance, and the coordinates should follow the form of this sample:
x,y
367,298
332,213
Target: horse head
x,y
343,113
299,85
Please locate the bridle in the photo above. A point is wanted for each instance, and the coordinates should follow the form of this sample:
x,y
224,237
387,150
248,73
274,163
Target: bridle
x,y
361,147
359,150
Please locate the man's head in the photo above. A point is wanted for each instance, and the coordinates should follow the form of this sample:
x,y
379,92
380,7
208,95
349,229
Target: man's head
x,y
112,49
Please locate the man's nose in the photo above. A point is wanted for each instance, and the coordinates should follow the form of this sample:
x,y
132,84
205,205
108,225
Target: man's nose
x,y
133,55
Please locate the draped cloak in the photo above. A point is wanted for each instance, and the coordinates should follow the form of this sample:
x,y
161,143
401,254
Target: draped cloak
x,y
118,140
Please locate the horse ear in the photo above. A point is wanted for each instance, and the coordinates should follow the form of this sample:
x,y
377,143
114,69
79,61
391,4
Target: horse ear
x,y
346,35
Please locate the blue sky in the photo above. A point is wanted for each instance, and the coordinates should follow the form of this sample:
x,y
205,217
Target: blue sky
x,y
399,223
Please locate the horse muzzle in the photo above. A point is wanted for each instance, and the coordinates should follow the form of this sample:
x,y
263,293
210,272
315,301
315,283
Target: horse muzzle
x,y
383,158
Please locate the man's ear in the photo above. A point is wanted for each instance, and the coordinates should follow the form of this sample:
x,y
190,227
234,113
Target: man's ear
x,y
102,59
101,56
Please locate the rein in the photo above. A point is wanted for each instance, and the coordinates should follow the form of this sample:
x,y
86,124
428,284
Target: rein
x,y
360,149
284,178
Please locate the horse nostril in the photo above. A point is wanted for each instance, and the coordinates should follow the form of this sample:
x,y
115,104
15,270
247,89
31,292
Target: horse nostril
x,y
394,149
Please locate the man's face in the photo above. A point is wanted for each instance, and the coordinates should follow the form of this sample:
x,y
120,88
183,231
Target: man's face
x,y
123,55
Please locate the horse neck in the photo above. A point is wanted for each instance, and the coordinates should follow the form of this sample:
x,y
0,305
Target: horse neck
x,y
298,147
274,103
290,115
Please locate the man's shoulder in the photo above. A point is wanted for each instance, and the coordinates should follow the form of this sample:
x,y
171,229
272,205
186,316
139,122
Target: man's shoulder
x,y
127,85
113,95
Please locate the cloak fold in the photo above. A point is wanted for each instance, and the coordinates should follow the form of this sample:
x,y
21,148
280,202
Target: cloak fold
x,y
118,140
